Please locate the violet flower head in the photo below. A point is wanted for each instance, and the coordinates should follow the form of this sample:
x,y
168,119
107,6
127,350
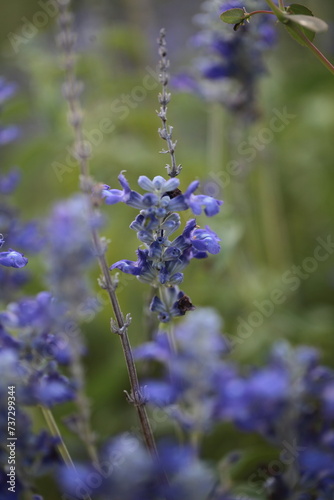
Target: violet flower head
x,y
10,132
195,369
69,251
12,258
7,90
9,182
229,63
162,260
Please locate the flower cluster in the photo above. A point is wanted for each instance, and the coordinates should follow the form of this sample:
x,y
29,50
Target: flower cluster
x,y
69,253
131,473
32,350
229,63
162,261
289,401
23,236
8,133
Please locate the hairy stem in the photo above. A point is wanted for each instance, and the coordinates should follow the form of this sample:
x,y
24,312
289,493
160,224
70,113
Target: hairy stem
x,y
166,131
72,89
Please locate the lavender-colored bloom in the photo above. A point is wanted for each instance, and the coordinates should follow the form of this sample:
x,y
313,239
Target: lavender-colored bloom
x,y
8,134
69,252
159,393
131,267
35,312
194,368
205,240
158,203
53,346
7,90
27,236
228,63
51,389
162,261
196,202
12,258
137,476
9,182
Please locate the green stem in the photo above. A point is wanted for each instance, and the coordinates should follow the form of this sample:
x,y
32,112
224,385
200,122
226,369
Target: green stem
x,y
315,50
61,446
171,336
277,11
250,14
53,427
75,119
281,4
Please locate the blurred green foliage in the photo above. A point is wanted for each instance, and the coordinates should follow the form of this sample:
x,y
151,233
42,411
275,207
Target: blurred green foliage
x,y
274,210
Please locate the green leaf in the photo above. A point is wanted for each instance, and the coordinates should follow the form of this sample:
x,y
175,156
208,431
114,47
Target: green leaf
x,y
299,16
291,28
233,16
308,22
296,8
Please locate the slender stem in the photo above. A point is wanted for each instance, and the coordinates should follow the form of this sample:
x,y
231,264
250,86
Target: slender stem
x,y
75,117
62,448
315,50
164,97
86,433
281,4
249,14
277,11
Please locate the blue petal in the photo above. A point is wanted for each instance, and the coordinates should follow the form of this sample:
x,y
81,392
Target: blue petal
x,y
13,259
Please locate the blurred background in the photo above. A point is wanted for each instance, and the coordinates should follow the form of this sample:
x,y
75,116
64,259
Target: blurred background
x,y
278,205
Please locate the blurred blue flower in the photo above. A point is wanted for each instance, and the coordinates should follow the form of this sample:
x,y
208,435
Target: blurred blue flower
x,y
13,259
229,63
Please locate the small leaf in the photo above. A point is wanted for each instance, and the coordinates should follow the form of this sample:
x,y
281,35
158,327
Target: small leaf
x,y
296,8
309,22
233,16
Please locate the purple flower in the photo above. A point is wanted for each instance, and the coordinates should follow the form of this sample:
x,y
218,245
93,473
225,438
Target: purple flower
x,y
9,182
196,202
7,90
205,240
35,312
227,64
131,267
53,346
159,393
51,389
9,134
112,196
13,259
